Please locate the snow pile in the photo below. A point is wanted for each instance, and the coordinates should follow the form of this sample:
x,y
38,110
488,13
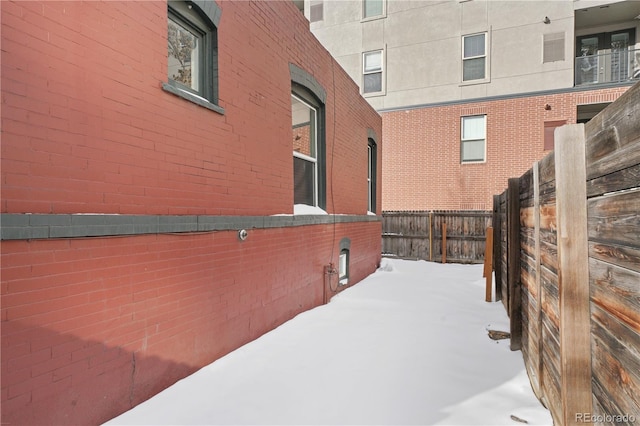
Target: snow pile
x,y
408,345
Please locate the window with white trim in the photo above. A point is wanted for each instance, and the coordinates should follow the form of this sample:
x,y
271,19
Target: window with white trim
x,y
304,123
473,138
192,50
372,69
474,57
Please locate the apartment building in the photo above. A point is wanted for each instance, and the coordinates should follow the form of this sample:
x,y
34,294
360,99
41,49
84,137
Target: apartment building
x,y
471,90
171,190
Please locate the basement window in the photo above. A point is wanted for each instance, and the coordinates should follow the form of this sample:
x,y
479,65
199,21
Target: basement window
x,y
343,267
343,261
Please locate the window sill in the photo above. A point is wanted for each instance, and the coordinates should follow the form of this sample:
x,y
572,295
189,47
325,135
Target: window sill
x,y
473,162
373,18
373,94
473,82
192,98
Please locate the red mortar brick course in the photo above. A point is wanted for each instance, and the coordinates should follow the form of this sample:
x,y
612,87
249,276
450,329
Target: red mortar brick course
x,y
421,165
93,326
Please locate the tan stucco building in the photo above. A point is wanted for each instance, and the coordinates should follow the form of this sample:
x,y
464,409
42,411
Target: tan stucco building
x,y
471,90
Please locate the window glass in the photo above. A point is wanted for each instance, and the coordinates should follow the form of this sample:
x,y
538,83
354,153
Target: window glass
x,y
373,8
304,182
373,83
183,55
474,46
473,127
373,61
343,267
316,11
473,69
303,122
369,189
371,175
473,150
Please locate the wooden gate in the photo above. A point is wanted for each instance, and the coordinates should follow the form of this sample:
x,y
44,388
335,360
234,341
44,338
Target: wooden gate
x,y
418,235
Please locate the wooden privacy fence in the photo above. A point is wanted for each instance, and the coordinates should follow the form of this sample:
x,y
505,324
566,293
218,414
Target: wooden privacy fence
x,y
418,235
567,266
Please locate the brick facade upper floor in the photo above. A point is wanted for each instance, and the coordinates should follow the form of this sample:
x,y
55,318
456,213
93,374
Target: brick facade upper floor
x,y
92,125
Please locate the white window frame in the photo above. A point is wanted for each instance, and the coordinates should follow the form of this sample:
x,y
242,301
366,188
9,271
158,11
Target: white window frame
x,y
485,56
309,158
463,140
376,71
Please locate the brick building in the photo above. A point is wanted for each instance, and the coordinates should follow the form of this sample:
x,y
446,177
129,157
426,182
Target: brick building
x,y
471,90
138,140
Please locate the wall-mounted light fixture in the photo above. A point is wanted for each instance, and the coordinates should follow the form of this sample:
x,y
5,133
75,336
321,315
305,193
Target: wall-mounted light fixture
x,y
547,20
547,107
242,234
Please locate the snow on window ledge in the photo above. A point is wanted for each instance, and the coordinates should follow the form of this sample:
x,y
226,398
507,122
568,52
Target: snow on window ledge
x,y
304,209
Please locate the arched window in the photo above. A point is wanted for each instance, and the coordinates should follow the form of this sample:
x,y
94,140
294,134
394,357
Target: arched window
x,y
308,130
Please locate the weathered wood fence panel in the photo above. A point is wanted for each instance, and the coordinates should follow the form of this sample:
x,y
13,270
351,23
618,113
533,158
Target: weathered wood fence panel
x,y
418,235
579,268
613,223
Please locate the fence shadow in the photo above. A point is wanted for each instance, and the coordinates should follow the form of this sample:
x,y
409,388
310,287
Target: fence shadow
x,y
58,378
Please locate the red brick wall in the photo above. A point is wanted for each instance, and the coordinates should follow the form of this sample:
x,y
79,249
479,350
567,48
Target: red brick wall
x,y
93,326
87,127
421,165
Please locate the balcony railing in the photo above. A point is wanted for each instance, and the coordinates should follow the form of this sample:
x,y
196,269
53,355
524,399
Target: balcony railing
x,y
616,66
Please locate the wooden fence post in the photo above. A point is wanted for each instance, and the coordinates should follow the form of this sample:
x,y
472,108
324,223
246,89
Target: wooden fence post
x,y
430,236
573,272
497,245
513,263
488,263
444,242
537,323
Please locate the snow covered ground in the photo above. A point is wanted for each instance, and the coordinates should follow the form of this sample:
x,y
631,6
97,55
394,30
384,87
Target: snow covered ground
x,y
407,345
